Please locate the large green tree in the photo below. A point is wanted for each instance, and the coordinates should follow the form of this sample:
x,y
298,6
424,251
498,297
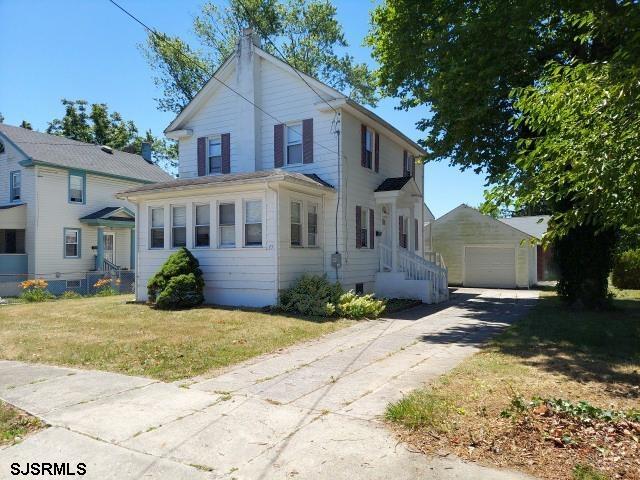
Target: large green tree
x,y
535,94
305,32
95,124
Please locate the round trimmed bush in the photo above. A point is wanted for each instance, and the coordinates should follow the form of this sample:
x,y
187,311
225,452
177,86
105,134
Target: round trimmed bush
x,y
311,295
178,283
626,270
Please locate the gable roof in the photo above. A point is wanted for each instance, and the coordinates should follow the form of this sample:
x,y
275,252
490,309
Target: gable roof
x,y
52,150
535,225
332,96
497,221
120,213
392,184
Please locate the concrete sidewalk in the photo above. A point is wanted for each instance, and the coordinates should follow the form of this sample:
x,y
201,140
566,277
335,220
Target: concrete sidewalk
x,y
311,411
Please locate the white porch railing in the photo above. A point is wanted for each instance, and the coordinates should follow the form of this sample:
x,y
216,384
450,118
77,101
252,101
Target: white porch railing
x,y
386,258
435,257
416,267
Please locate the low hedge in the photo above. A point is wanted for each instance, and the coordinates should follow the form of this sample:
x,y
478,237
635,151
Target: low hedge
x,y
626,270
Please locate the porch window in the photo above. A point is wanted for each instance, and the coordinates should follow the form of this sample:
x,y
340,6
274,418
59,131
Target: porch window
x,y
215,155
404,231
312,225
157,227
202,225
15,182
227,224
253,223
296,224
71,243
12,241
77,187
294,144
178,226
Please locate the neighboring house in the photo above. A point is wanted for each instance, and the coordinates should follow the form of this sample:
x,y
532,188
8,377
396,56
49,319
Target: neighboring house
x,y
536,226
59,217
275,182
481,251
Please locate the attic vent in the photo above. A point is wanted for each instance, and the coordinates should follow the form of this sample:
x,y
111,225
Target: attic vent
x,y
107,149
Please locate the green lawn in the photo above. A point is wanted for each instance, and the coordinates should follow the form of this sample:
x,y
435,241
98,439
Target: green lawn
x,y
14,424
555,352
109,334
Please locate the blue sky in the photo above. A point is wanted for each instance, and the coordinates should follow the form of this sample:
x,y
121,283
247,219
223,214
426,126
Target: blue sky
x,y
88,49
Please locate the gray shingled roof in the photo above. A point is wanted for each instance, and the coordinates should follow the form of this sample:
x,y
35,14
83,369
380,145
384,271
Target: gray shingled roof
x,y
66,153
231,178
392,184
536,225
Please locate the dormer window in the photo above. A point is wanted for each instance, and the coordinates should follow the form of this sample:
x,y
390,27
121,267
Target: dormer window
x,y
215,155
294,144
15,182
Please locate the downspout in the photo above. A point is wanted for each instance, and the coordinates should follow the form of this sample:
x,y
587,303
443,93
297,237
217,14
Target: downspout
x,y
277,241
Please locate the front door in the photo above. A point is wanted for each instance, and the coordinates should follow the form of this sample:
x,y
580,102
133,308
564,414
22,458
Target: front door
x,y
110,247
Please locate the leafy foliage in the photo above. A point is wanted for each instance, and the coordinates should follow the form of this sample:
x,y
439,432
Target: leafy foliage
x,y
311,295
626,270
305,31
35,290
178,283
70,294
351,305
102,127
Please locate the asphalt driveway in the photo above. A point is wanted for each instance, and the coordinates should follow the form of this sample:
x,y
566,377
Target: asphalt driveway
x,y
310,411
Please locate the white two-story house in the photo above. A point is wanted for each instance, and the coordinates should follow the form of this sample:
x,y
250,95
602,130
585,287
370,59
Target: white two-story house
x,y
281,175
59,218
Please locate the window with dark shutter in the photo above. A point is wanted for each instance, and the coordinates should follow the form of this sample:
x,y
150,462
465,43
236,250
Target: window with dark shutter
x,y
307,140
377,153
278,145
202,156
358,227
372,232
415,235
226,152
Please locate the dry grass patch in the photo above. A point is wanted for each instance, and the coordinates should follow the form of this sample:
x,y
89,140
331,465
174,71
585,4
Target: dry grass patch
x,y
16,424
481,411
110,334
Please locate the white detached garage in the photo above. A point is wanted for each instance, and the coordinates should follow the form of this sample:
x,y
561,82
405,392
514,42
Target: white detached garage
x,y
481,251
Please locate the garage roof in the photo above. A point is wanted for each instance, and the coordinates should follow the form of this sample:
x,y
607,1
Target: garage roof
x,y
536,225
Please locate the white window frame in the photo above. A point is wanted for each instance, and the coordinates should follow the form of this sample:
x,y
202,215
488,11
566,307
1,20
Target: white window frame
x,y
221,226
408,161
16,174
316,243
83,187
197,225
297,126
76,243
174,226
152,228
300,224
213,139
245,223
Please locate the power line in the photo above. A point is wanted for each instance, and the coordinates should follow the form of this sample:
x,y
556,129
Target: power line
x,y
188,59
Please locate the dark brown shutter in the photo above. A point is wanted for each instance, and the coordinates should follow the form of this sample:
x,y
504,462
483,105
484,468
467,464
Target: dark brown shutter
x,y
307,140
278,145
225,139
404,163
363,159
377,152
415,234
372,232
401,230
202,156
358,227
413,166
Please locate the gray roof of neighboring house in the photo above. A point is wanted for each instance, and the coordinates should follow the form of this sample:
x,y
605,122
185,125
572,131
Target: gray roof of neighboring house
x,y
232,178
535,225
63,152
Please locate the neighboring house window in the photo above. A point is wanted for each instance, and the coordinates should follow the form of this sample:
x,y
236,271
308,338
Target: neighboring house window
x,y
312,225
11,241
71,243
407,167
215,155
202,226
157,227
294,144
1,148
178,226
227,223
15,184
253,223
296,224
76,187
364,229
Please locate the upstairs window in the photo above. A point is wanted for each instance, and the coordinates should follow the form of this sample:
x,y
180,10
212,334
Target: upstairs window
x,y
253,223
312,225
202,225
77,187
227,224
15,182
215,155
294,144
178,226
368,148
157,227
296,224
407,165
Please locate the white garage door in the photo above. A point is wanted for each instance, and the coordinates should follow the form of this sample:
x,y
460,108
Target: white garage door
x,y
490,267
